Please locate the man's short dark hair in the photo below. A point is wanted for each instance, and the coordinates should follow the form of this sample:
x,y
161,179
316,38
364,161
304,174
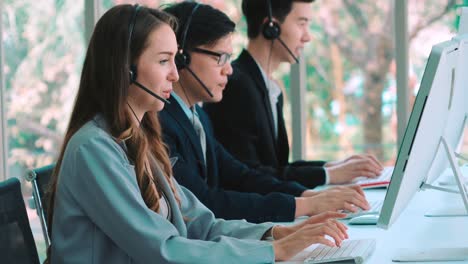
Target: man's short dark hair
x,y
255,12
207,26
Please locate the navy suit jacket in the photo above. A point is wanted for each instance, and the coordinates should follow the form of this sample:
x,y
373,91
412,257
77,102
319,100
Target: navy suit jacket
x,y
243,124
225,185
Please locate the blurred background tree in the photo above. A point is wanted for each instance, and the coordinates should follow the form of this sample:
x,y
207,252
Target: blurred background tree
x,y
44,49
351,73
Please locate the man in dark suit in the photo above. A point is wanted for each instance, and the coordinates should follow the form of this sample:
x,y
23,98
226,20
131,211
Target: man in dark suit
x,y
249,120
226,186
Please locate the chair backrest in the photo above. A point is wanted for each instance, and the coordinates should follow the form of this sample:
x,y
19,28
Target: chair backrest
x,y
16,239
43,175
40,179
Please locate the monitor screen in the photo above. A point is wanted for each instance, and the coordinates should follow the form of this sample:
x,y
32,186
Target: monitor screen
x,y
425,128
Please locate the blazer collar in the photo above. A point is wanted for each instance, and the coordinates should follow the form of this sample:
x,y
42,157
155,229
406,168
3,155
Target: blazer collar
x,y
176,111
250,66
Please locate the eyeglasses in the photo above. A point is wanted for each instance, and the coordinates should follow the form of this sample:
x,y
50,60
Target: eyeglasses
x,y
223,57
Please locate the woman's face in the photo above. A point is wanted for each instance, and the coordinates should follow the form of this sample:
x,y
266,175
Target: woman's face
x,y
156,70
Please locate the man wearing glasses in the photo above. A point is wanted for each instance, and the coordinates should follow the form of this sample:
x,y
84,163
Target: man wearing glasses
x,y
226,186
223,57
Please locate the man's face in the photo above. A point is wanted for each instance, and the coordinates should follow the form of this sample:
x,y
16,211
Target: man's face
x,y
294,31
210,70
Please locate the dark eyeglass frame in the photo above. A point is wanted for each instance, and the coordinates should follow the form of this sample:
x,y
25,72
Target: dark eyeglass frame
x,y
223,57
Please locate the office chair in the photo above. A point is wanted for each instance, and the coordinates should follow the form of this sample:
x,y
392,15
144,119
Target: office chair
x,y
16,239
40,179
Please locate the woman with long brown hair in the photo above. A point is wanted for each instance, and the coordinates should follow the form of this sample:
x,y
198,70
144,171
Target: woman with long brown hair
x,y
113,198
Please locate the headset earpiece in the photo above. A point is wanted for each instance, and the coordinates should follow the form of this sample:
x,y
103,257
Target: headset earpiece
x,y
271,30
133,73
182,59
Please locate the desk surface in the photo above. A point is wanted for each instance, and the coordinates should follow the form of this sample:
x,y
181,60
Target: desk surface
x,y
413,230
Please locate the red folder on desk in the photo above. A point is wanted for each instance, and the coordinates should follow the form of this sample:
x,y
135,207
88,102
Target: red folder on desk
x,y
380,182
376,184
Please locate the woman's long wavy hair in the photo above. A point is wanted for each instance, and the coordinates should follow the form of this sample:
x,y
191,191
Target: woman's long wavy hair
x,y
103,89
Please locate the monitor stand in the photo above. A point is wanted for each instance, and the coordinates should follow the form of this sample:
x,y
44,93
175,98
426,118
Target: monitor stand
x,y
441,254
461,187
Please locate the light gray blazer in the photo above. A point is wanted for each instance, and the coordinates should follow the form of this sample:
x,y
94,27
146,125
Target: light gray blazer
x,y
100,216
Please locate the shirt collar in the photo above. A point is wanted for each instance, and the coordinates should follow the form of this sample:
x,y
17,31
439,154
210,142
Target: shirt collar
x,y
182,104
273,89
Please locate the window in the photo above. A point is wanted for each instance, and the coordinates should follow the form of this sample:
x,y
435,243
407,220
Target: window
x,y
43,47
351,87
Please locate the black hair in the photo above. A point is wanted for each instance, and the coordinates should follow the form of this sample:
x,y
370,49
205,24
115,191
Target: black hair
x,y
255,12
207,25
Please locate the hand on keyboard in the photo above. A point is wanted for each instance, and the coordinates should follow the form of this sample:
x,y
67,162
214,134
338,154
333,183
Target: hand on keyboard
x,y
283,231
375,207
346,170
307,234
336,198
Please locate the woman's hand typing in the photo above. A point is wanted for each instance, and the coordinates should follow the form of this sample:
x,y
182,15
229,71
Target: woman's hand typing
x,y
290,240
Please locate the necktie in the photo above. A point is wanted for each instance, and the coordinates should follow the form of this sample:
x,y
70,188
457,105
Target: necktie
x,y
200,132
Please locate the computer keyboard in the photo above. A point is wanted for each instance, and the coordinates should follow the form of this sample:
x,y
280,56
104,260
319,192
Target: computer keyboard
x,y
375,207
381,181
351,251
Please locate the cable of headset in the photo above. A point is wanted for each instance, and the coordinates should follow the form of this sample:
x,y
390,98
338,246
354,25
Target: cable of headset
x,y
147,167
134,114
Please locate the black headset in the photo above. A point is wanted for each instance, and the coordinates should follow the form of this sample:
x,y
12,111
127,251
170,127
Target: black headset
x,y
182,58
271,30
132,67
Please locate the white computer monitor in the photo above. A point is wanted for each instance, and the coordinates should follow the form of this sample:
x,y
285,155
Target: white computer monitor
x,y
427,128
457,118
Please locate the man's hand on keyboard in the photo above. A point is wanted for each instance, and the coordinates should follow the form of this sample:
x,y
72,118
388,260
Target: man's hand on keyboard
x,y
336,198
344,171
280,231
310,232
